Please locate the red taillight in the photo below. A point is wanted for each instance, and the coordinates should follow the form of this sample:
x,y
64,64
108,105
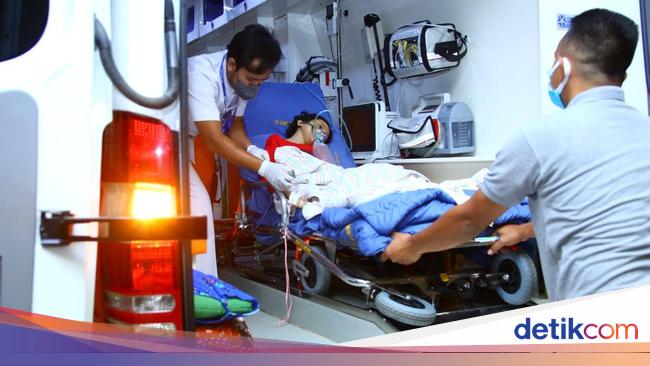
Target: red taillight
x,y
138,149
139,282
152,266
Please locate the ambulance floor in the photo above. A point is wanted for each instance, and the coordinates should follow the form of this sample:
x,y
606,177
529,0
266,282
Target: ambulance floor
x,y
264,326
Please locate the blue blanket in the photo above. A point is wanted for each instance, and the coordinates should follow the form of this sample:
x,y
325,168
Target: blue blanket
x,y
372,223
210,286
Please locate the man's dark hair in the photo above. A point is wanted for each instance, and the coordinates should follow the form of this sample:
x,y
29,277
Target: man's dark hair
x,y
602,42
306,117
255,42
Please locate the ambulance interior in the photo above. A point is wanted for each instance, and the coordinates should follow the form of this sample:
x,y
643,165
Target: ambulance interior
x,y
336,58
502,79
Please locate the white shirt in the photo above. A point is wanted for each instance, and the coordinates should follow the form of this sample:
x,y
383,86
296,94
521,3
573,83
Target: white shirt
x,y
207,101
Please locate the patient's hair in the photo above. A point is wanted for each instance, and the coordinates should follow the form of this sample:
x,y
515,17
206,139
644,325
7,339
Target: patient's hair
x,y
306,117
602,43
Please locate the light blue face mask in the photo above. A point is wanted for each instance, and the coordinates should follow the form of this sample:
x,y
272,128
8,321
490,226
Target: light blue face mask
x,y
319,135
555,94
321,151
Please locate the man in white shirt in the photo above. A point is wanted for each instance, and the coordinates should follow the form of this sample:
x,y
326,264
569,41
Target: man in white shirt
x,y
584,171
219,85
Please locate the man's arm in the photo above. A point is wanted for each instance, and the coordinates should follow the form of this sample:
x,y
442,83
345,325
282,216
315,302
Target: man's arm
x,y
458,225
238,133
221,144
514,175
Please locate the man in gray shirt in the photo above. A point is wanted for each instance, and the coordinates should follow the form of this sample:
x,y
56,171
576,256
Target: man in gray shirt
x,y
585,170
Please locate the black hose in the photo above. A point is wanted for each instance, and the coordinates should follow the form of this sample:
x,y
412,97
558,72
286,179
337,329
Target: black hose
x,y
375,82
313,67
103,45
370,21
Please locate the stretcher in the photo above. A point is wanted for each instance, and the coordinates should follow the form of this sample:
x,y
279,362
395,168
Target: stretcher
x,y
405,294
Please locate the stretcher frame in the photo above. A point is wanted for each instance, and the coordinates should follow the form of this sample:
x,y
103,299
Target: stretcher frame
x,y
514,275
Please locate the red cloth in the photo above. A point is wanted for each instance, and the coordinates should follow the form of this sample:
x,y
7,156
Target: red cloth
x,y
274,141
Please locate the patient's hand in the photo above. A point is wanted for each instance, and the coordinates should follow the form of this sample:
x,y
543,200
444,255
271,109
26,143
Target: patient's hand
x,y
400,250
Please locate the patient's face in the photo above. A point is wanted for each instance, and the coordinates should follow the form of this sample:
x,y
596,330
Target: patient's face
x,y
309,128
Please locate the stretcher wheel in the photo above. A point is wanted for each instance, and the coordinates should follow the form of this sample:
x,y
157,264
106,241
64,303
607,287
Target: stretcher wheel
x,y
521,285
319,279
415,311
465,289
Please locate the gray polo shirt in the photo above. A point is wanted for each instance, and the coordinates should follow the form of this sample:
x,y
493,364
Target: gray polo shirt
x,y
586,172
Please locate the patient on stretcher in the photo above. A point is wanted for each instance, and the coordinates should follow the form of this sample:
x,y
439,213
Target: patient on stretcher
x,y
304,131
364,205
318,184
359,206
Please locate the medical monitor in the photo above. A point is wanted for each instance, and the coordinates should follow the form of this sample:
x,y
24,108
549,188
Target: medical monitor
x,y
369,133
360,120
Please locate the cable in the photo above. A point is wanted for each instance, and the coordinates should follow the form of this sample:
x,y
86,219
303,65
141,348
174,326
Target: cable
x,y
339,55
103,45
343,124
221,185
329,38
319,98
373,19
259,222
348,140
392,138
287,289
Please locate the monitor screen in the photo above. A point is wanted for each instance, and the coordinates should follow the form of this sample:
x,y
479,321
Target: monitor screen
x,y
360,120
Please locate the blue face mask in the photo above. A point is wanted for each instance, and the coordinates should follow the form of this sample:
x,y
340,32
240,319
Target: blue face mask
x,y
555,94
